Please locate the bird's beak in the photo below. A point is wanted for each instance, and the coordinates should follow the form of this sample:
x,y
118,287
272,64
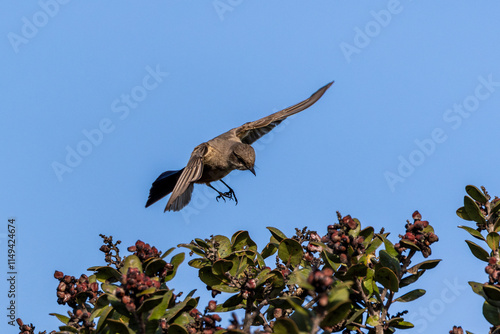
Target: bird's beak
x,y
252,170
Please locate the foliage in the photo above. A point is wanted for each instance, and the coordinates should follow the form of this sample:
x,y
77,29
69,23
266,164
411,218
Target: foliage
x,y
305,283
485,212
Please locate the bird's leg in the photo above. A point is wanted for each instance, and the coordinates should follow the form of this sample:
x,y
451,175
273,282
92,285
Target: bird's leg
x,y
230,194
221,195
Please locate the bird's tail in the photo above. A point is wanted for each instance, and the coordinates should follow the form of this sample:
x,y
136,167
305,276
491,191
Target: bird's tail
x,y
163,185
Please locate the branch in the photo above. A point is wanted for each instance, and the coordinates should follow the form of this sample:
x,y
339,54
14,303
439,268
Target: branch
x,y
250,315
365,297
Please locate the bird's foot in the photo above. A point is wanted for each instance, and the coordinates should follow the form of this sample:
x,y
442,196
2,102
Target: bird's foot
x,y
221,195
231,195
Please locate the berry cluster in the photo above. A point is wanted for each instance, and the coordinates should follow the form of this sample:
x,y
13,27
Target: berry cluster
x,y
111,251
339,240
25,329
69,287
144,251
493,270
204,323
134,283
417,234
321,280
313,248
457,330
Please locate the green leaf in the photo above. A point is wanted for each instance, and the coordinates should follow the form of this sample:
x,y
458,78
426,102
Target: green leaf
x,y
491,313
390,261
357,316
65,329
301,317
105,273
177,329
207,276
148,291
221,267
403,325
198,263
164,255
329,260
473,232
476,194
232,303
225,288
299,277
477,251
409,244
101,303
429,264
496,226
202,243
175,261
285,326
412,295
269,250
290,252
389,248
131,261
357,270
160,309
411,279
151,302
224,245
387,278
374,245
336,314
278,280
373,320
194,248
260,260
118,326
463,214
277,234
103,316
492,292
477,288
492,240
108,288
367,234
263,276
154,265
473,210
241,241
62,318
186,305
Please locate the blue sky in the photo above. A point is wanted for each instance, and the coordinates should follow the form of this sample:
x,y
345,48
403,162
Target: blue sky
x,y
410,121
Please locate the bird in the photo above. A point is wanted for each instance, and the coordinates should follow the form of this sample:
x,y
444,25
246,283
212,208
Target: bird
x,y
213,160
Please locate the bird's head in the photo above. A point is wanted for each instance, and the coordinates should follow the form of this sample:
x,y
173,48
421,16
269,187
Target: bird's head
x,y
243,157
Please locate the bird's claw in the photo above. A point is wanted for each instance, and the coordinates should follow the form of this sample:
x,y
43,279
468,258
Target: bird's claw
x,y
229,195
220,196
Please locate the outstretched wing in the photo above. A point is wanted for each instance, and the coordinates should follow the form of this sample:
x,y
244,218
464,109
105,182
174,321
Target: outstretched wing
x,y
251,131
181,195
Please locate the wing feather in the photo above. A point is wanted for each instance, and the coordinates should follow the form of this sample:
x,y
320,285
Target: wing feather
x,y
181,195
251,131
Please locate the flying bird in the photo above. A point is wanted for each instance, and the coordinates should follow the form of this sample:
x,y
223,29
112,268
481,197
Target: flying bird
x,y
216,158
